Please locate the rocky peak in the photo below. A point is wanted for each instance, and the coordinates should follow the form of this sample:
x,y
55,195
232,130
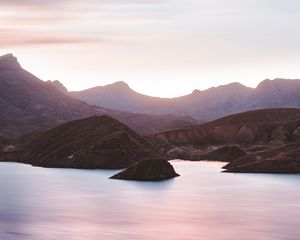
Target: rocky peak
x,y
58,85
196,92
8,63
119,85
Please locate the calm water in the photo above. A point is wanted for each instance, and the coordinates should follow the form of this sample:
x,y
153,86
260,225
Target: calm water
x,y
56,204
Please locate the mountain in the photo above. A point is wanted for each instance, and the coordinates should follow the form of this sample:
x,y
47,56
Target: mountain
x,y
28,104
205,105
94,142
259,126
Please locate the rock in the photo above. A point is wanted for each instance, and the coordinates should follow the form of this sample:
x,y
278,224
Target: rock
x,y
8,63
58,85
283,159
179,153
226,153
148,170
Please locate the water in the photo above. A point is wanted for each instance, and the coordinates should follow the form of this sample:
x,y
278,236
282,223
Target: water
x,y
55,204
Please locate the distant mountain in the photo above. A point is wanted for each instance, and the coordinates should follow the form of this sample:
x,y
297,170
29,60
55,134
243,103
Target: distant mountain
x,y
205,105
94,142
28,104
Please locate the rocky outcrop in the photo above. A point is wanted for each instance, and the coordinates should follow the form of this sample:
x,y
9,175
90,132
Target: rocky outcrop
x,y
214,153
148,170
225,153
283,159
58,85
95,142
9,63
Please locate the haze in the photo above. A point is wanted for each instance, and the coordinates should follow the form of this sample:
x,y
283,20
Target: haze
x,y
161,47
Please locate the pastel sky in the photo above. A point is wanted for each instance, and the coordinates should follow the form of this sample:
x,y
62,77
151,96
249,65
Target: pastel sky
x,y
159,47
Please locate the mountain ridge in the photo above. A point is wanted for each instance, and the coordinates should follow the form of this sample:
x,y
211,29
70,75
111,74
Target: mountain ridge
x,y
28,104
205,105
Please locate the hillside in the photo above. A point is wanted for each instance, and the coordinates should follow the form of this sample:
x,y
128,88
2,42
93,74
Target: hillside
x,y
94,142
265,126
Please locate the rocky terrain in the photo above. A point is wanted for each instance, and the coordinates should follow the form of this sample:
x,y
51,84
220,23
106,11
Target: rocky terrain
x,y
94,142
28,104
276,126
277,159
148,170
225,153
210,104
264,141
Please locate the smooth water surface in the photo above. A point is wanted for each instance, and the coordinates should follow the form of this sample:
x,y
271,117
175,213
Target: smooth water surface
x,y
54,204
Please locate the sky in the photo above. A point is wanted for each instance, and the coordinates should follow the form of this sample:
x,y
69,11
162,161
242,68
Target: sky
x,y
163,48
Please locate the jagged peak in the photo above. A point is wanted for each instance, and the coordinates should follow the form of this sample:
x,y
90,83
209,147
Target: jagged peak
x,y
58,85
196,91
119,84
9,62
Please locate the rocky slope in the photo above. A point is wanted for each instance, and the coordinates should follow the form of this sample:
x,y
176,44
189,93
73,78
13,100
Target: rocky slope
x,y
282,159
225,153
269,141
28,104
204,105
148,170
275,126
94,142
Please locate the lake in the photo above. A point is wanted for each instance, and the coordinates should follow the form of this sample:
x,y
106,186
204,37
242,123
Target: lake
x,y
55,204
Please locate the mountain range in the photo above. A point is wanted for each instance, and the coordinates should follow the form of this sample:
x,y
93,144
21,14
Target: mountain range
x,y
210,104
29,104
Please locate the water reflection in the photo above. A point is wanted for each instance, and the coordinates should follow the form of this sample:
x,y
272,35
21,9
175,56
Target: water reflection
x,y
203,203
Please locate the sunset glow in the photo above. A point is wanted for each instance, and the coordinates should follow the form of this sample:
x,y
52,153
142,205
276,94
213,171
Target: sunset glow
x,y
161,48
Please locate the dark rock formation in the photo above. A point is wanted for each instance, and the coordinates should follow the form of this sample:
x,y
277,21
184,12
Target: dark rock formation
x,y
225,153
283,159
95,142
148,170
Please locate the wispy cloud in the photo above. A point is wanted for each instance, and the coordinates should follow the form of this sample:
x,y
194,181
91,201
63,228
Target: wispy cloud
x,y
24,22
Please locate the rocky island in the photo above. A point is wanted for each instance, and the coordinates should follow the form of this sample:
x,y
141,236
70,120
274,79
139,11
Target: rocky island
x,y
148,170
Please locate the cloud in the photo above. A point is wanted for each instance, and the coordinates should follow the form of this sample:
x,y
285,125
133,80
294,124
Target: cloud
x,y
76,21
